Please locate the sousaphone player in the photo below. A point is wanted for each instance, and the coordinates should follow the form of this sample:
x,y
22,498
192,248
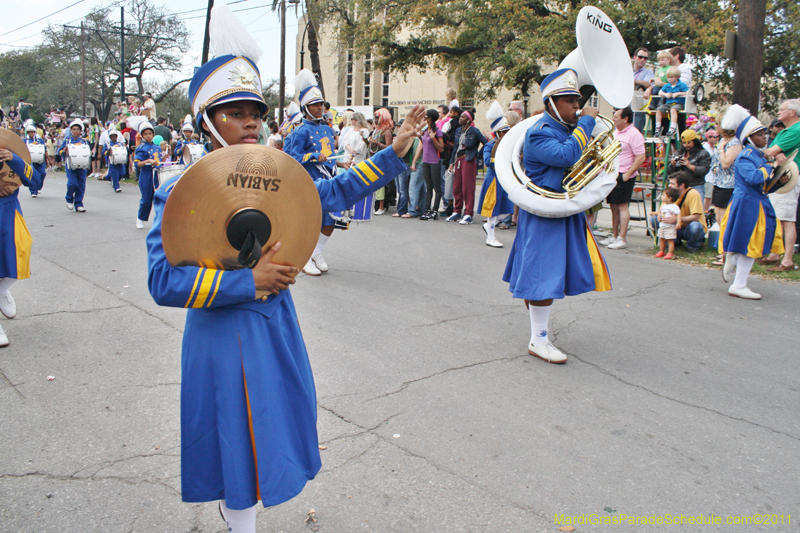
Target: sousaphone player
x,y
248,405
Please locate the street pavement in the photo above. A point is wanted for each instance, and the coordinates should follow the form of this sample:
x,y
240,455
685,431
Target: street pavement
x,y
676,400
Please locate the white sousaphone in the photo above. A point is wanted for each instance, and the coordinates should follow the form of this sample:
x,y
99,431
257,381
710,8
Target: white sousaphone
x,y
601,59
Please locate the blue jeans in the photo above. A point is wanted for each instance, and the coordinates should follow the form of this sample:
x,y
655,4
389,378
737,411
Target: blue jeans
x,y
639,121
693,234
447,195
402,189
416,192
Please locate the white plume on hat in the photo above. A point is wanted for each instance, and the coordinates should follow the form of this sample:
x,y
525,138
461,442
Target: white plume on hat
x,y
229,36
293,111
305,83
734,116
135,121
496,117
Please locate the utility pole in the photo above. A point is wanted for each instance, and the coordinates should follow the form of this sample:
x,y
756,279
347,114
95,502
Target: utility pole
x,y
83,71
749,54
122,54
282,82
206,37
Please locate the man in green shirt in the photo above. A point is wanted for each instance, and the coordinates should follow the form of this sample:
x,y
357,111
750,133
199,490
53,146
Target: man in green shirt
x,y
786,204
24,109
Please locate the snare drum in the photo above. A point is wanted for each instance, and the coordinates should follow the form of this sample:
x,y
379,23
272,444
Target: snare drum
x,y
78,156
37,153
192,153
119,155
167,172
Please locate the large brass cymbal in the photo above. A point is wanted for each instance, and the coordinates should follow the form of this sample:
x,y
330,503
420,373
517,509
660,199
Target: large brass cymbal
x,y
11,141
788,167
241,187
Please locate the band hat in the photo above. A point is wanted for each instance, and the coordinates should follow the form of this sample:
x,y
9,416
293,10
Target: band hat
x,y
689,135
113,132
496,117
187,126
30,127
747,128
561,82
306,85
76,122
145,126
295,115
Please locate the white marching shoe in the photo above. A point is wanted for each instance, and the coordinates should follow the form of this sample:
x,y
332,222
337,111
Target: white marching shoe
x,y
3,338
743,292
494,243
311,269
547,352
139,224
319,261
7,305
728,267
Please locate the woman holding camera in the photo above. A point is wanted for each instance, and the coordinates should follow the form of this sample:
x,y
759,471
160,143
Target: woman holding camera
x,y
694,159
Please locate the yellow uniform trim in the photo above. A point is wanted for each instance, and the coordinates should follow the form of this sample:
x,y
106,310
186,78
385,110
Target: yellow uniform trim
x,y
373,165
361,175
764,171
216,287
196,281
490,199
23,242
367,171
28,171
205,288
580,136
777,241
602,282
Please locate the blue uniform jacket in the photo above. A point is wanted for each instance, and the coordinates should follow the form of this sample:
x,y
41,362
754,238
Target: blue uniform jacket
x,y
307,142
245,369
179,149
144,152
117,170
749,225
15,239
554,257
493,198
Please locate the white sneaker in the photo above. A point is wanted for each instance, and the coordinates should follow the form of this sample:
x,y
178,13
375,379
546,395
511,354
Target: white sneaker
x,y
466,219
618,244
80,209
34,195
70,206
547,352
7,305
311,269
379,212
3,338
744,292
319,261
139,224
608,240
728,267
494,243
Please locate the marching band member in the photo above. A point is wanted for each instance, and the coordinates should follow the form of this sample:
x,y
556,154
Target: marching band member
x,y
293,118
493,199
186,139
15,239
749,228
31,137
248,404
311,143
76,177
146,157
554,257
115,171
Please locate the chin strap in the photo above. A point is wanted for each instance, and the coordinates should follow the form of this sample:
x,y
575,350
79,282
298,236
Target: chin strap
x,y
215,133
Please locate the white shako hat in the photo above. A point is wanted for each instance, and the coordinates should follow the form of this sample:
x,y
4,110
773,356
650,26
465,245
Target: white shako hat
x,y
496,117
76,122
740,120
232,74
145,126
306,86
187,123
295,115
30,127
562,81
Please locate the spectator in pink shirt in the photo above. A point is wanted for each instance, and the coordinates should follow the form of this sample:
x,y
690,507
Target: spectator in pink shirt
x,y
630,159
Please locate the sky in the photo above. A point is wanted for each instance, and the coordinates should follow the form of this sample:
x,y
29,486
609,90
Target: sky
x,y
257,15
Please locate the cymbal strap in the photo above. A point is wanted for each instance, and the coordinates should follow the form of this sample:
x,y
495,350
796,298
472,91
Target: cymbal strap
x,y
250,253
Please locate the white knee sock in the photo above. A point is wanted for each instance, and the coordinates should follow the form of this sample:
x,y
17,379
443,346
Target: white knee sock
x,y
243,521
5,284
490,228
320,244
743,266
539,318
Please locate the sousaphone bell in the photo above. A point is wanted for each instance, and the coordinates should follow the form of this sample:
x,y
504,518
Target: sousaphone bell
x,y
234,204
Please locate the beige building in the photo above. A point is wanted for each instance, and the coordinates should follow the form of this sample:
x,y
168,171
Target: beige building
x,y
352,80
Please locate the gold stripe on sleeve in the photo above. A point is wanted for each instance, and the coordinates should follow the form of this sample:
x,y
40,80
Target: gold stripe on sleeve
x,y
367,171
205,288
216,288
373,165
196,281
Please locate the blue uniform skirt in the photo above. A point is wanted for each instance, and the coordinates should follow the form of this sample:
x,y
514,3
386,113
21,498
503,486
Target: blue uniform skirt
x,y
15,240
248,406
749,227
553,258
493,199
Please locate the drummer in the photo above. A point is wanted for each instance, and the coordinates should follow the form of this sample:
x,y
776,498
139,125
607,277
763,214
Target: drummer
x,y
76,177
115,171
32,138
15,240
146,158
187,130
248,404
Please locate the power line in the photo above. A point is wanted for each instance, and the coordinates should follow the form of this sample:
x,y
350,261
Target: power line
x,y
234,10
48,16
205,9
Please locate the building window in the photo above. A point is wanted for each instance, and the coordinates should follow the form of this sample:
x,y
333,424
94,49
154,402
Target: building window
x,y
349,79
385,91
367,77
